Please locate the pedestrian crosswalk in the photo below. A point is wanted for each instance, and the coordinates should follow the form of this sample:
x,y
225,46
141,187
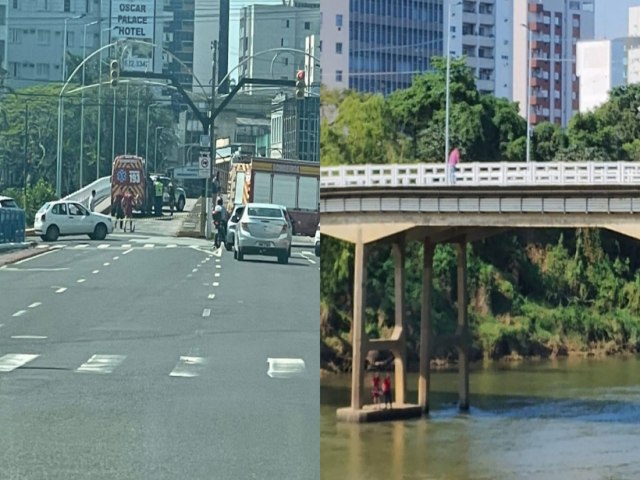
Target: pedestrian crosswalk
x,y
110,246
180,366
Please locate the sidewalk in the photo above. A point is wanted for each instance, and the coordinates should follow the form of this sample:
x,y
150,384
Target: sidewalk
x,y
14,252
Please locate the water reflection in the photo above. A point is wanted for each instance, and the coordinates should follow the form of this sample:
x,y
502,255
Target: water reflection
x,y
562,419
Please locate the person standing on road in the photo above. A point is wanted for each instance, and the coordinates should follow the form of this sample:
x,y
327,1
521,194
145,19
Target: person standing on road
x,y
91,205
116,211
172,197
159,191
375,392
127,207
386,390
454,159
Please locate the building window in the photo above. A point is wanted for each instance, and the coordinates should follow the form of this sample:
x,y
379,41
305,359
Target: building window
x,y
307,25
574,5
44,37
42,70
338,20
3,15
285,60
15,35
15,4
338,75
339,47
286,23
67,5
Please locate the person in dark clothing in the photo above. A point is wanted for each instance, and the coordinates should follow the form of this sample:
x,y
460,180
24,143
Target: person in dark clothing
x,y
172,197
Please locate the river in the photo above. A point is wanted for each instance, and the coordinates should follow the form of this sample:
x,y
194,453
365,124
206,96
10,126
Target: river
x,y
561,419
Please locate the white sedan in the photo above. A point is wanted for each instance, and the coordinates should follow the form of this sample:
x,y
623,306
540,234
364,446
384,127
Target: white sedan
x,y
62,217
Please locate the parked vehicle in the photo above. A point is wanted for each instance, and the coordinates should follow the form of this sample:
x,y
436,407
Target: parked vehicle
x,y
59,218
129,172
295,183
180,196
263,229
317,241
7,202
231,226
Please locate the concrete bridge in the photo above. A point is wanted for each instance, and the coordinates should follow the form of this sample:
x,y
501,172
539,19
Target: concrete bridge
x,y
396,204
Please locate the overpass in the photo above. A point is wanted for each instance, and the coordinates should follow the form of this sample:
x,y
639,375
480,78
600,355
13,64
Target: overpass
x,y
396,204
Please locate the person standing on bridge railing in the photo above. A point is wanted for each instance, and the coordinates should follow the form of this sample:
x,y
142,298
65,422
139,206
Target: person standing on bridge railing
x,y
91,204
454,159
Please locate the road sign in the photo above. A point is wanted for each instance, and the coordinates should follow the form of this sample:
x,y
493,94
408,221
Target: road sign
x,y
205,141
187,173
204,167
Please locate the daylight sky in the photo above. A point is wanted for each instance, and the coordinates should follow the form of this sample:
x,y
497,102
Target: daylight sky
x,y
612,17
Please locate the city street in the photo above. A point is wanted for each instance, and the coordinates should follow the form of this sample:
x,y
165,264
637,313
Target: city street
x,y
146,356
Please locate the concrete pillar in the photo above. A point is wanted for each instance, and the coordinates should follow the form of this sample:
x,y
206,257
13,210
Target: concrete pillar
x,y
463,347
400,377
359,340
425,326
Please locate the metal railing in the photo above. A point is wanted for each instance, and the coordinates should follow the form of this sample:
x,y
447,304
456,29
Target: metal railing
x,y
479,174
102,186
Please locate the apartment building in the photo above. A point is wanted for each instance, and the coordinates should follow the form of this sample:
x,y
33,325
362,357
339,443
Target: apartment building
x,y
266,27
4,11
555,27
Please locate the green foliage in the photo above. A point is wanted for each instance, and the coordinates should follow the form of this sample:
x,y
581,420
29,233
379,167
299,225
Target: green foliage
x,y
37,195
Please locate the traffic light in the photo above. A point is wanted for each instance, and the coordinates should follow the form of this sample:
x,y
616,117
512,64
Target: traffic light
x,y
114,73
300,85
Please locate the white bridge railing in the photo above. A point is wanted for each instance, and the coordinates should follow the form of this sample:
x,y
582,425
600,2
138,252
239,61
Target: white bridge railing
x,y
102,186
502,174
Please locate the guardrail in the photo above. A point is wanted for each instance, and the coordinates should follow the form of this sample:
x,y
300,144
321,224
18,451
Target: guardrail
x,y
479,174
102,186
12,225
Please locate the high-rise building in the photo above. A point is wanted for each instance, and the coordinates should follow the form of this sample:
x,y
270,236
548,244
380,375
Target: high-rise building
x,y
265,28
555,27
378,45
4,11
602,65
295,128
178,39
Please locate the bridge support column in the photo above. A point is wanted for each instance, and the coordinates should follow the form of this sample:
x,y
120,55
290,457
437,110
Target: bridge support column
x,y
399,353
359,341
424,383
462,329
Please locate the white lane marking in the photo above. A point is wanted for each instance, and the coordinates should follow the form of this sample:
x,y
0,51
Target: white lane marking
x,y
216,275
42,246
194,270
208,252
218,266
188,367
28,337
285,367
103,245
149,245
106,264
95,271
173,245
216,284
206,312
11,361
61,290
128,251
218,252
19,313
81,280
304,255
82,245
126,245
37,256
217,260
12,269
35,304
101,363
116,258
212,296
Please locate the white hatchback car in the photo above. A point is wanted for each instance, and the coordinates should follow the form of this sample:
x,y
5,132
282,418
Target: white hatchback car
x,y
263,229
62,217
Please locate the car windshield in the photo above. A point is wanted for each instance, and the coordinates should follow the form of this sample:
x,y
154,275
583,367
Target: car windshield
x,y
264,212
8,203
44,207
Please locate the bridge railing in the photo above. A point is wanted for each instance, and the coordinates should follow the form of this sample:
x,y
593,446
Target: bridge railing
x,y
102,186
502,174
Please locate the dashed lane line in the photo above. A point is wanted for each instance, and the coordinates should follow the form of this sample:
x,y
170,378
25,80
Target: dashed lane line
x,y
82,280
106,264
104,245
216,275
149,245
11,361
285,367
95,271
206,312
61,290
101,363
127,251
188,367
35,304
19,313
216,284
212,296
29,337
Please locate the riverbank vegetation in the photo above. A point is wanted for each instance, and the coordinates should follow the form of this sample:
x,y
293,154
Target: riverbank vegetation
x,y
543,292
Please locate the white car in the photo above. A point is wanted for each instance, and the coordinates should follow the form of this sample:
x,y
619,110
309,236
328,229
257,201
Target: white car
x,y
62,217
263,229
317,241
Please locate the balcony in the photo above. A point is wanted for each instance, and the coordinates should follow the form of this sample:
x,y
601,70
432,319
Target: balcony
x,y
535,8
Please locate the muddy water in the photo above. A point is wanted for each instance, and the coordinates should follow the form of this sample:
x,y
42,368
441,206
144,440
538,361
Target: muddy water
x,y
566,419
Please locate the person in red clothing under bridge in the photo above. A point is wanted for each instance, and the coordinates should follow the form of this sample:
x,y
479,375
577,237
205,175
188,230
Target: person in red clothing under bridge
x,y
386,390
127,208
375,390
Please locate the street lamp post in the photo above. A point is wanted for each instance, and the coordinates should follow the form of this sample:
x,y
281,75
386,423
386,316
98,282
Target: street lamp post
x,y
447,83
146,147
100,104
529,45
155,154
64,45
84,55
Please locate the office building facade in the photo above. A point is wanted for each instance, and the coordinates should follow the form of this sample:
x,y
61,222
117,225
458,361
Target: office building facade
x,y
295,128
4,13
268,27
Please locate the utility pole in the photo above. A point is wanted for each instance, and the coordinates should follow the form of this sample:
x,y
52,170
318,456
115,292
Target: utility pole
x,y
26,150
212,142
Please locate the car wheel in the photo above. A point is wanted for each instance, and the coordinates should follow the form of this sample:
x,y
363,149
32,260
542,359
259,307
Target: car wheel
x,y
52,233
239,255
100,231
228,246
317,250
43,238
181,203
92,236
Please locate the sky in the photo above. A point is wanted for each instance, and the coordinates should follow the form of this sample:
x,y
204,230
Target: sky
x,y
612,17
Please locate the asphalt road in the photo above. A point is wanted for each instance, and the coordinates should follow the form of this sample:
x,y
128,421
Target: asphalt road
x,y
145,357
